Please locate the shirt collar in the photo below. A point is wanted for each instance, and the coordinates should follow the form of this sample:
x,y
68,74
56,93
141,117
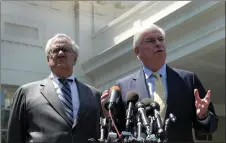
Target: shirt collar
x,y
53,76
161,71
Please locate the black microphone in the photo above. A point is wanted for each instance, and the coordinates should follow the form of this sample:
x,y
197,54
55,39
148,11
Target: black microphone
x,y
131,98
139,126
140,107
147,102
114,93
155,107
106,102
170,119
109,104
140,136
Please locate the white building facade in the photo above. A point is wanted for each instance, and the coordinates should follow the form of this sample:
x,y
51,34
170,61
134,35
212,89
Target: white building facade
x,y
195,37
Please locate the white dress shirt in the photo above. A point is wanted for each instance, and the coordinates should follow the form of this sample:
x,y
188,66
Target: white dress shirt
x,y
74,91
150,80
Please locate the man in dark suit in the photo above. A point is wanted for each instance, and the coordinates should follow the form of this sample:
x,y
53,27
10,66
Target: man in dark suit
x,y
58,109
177,91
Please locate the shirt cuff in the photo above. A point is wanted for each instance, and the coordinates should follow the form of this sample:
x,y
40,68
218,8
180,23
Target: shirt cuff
x,y
205,120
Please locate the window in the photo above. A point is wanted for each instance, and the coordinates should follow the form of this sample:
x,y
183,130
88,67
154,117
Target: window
x,y
202,138
7,93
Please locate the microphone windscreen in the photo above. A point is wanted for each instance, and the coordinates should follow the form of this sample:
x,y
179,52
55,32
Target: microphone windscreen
x,y
132,96
146,101
106,102
113,93
155,105
139,105
115,88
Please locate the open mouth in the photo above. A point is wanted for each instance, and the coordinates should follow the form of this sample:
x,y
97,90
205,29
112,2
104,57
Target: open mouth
x,y
61,61
160,50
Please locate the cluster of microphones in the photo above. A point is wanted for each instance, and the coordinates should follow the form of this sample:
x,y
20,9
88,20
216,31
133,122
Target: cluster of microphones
x,y
143,123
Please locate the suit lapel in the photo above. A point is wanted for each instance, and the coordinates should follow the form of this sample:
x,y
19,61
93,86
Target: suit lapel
x,y
83,98
48,91
173,86
140,84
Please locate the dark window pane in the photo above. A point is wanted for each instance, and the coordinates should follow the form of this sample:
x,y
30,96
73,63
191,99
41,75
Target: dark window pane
x,y
7,96
4,118
4,136
199,137
210,138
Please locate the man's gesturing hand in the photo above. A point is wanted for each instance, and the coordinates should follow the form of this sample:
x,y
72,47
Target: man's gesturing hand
x,y
104,99
201,104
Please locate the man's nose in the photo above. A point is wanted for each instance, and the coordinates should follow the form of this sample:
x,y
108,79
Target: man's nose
x,y
157,43
61,53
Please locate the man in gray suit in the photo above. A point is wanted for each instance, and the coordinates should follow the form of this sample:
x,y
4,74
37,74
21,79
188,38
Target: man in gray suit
x,y
58,109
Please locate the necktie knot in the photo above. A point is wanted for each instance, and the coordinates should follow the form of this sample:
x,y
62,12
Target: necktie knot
x,y
156,75
64,80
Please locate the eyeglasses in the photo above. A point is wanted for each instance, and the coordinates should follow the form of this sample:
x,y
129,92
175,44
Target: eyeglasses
x,y
55,51
153,40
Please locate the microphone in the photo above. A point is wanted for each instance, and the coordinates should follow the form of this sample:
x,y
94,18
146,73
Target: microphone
x,y
131,98
102,129
109,105
147,102
114,92
106,102
141,110
169,120
139,125
140,136
155,107
172,117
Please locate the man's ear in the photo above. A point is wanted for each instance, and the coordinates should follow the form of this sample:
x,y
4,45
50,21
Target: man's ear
x,y
47,57
75,59
48,60
136,50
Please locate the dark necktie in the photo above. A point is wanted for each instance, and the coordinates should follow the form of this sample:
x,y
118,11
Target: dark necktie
x,y
66,98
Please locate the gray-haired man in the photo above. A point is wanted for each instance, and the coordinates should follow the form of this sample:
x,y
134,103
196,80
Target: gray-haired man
x,y
58,108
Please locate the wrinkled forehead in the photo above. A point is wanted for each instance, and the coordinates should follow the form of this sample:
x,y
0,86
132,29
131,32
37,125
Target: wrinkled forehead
x,y
155,33
61,42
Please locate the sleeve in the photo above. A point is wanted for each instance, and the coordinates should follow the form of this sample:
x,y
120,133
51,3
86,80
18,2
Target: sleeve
x,y
120,112
17,125
97,94
208,125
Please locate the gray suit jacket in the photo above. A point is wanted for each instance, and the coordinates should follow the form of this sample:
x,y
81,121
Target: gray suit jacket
x,y
38,116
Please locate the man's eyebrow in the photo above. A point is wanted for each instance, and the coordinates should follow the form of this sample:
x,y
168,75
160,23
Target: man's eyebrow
x,y
151,37
61,46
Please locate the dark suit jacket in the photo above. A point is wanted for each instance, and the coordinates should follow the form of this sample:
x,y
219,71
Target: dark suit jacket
x,y
180,102
38,116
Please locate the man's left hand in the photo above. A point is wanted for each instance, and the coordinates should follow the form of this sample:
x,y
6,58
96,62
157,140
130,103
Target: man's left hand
x,y
201,104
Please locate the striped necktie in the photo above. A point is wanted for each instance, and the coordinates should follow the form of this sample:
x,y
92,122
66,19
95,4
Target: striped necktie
x,y
159,94
66,98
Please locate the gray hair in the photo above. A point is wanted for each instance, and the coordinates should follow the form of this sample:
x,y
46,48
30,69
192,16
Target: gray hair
x,y
137,38
48,47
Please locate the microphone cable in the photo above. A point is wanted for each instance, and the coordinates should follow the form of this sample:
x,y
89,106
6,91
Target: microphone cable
x,y
113,123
